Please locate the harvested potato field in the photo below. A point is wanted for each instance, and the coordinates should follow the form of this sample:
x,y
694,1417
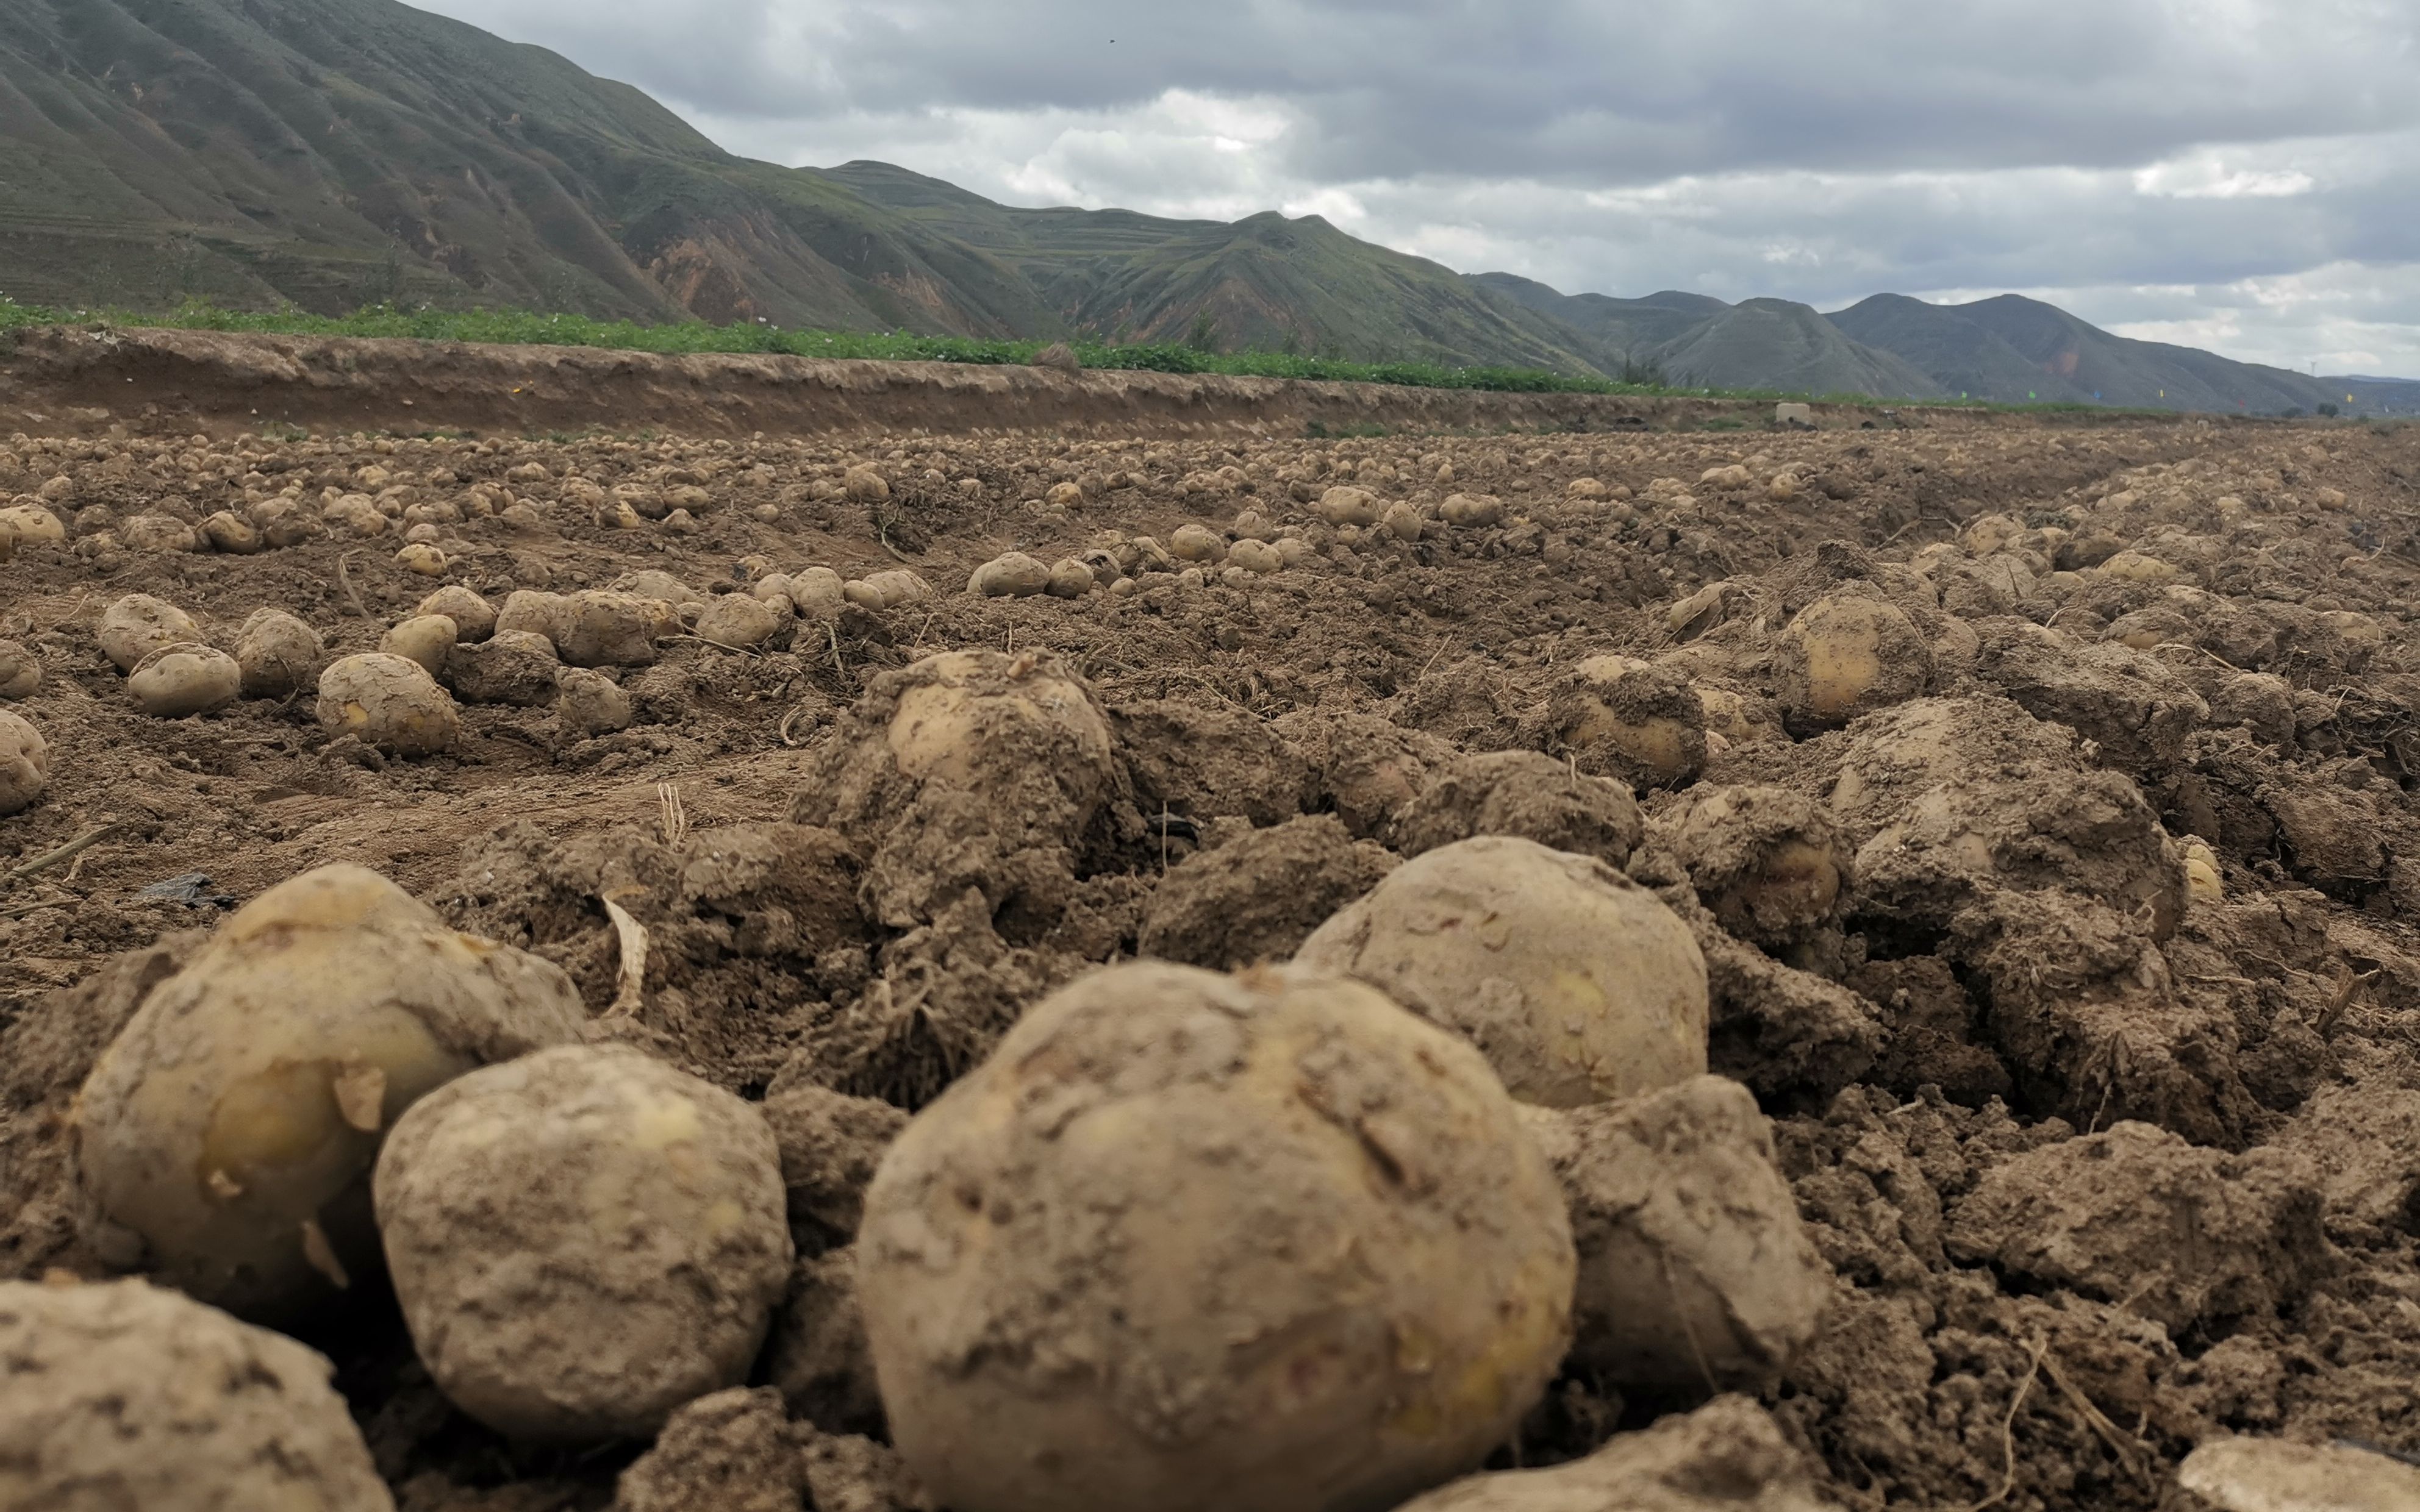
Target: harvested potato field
x,y
1691,969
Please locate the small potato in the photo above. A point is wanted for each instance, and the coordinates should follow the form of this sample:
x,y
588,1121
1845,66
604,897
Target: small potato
x,y
20,670
421,557
387,701
224,1140
600,627
1767,861
277,654
1469,510
1843,657
1256,557
1403,521
1012,576
426,639
1070,578
737,619
2204,882
138,625
1346,505
230,532
583,1239
1578,984
2135,567
1620,717
1310,1221
533,612
515,667
474,618
176,682
126,1394
899,587
590,703
864,485
24,764
817,595
159,532
29,525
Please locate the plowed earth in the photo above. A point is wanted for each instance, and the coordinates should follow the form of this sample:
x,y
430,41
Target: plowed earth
x,y
2106,1165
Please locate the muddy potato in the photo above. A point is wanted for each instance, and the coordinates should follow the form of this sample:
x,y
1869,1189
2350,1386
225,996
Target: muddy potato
x,y
948,725
387,701
1196,543
1258,558
20,670
737,619
159,532
1014,575
583,1239
1069,579
818,593
230,532
598,627
1768,862
590,703
24,764
1620,717
29,525
225,1138
1578,984
1843,657
515,667
474,618
124,1394
1310,1221
175,682
425,639
139,625
1469,510
533,612
277,654
1728,1455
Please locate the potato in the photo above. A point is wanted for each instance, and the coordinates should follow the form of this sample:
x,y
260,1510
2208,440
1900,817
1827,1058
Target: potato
x,y
387,701
230,532
948,724
1346,505
138,625
474,618
126,1394
225,1138
864,485
1768,862
1472,509
1189,1241
20,670
1193,543
159,532
2135,567
532,613
1014,575
1256,557
899,587
1070,578
598,627
1403,521
1696,1271
1621,717
1522,793
2204,882
29,525
737,619
176,682
2262,1474
590,703
24,764
1728,1455
654,583
1577,983
277,654
1846,655
583,1240
816,593
426,639
515,667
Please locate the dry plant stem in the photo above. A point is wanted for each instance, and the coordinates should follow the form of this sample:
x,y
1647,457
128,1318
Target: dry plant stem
x,y
630,990
72,848
345,580
2008,1429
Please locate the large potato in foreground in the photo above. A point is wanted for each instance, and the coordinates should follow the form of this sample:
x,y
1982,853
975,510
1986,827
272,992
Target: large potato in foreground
x,y
225,1138
1189,1241
1577,983
125,1396
389,702
1847,656
583,1239
24,764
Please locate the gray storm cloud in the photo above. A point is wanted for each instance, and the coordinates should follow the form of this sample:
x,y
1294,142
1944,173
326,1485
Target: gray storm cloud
x,y
2240,168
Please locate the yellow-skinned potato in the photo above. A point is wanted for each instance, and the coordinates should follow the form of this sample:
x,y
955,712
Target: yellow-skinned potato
x,y
583,1239
1620,717
21,670
388,702
138,625
128,1396
1578,984
474,618
225,1138
176,680
278,655
425,639
946,724
1847,656
24,764
1190,1242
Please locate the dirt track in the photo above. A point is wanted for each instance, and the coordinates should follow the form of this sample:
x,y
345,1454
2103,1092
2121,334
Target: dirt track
x,y
2109,1156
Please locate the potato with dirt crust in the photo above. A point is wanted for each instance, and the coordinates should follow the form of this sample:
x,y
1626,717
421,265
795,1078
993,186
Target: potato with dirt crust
x,y
138,625
1768,862
24,764
590,703
474,618
225,1138
1578,984
583,1239
387,701
1728,1455
1847,656
1619,717
123,1395
426,639
1190,1242
277,654
1526,793
20,670
176,682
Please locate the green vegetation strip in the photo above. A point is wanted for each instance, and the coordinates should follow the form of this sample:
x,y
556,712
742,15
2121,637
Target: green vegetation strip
x,y
520,328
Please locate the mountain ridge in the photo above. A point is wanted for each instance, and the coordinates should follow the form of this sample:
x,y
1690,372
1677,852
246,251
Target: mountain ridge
x,y
333,153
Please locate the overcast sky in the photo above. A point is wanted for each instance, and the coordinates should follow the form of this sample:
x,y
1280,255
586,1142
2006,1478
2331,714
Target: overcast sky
x,y
2242,175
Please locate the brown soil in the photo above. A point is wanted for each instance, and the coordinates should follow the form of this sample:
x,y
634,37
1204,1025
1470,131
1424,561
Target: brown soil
x,y
2105,1166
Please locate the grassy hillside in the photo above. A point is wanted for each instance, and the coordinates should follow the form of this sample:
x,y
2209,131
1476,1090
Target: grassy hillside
x,y
1776,344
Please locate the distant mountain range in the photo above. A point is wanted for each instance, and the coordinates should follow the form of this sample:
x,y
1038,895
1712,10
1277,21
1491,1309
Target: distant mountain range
x,y
335,153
